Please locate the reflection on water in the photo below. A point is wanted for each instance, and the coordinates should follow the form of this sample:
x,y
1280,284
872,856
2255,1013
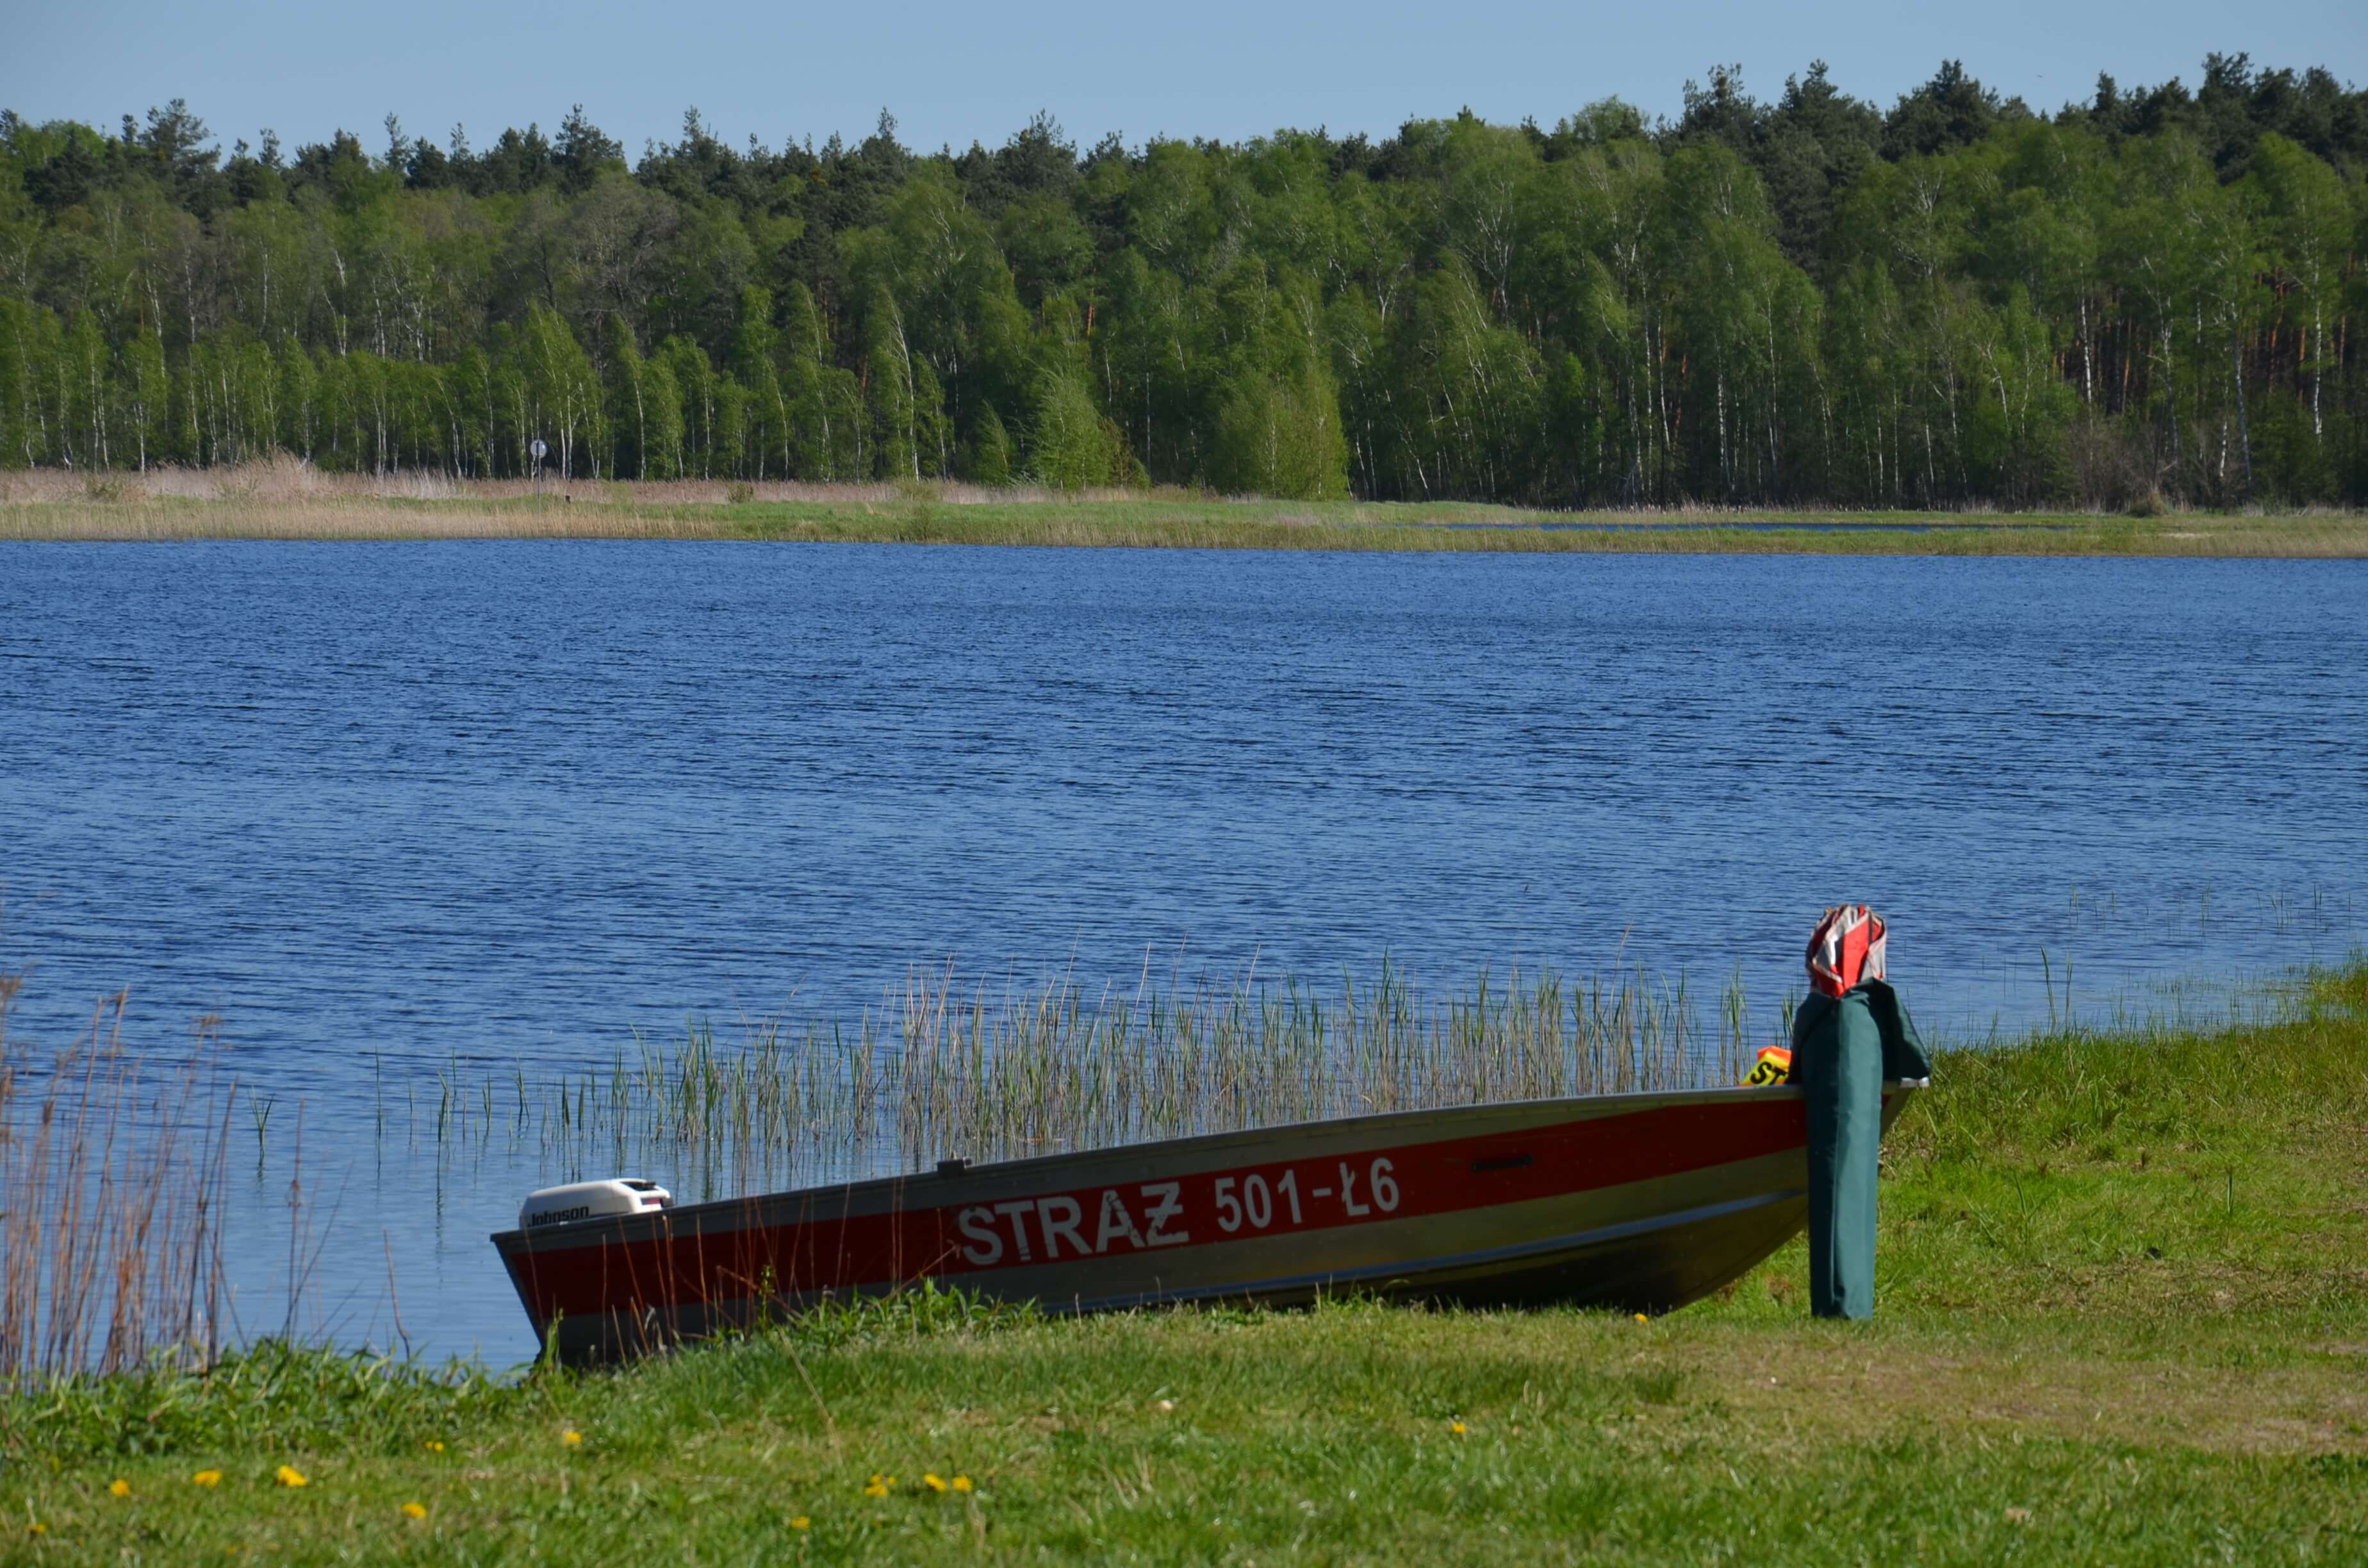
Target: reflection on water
x,y
485,811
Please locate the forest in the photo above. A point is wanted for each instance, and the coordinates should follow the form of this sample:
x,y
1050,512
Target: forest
x,y
2142,299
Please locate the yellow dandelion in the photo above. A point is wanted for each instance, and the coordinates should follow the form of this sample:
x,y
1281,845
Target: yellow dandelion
x,y
1455,1428
36,1528
801,1522
962,1484
875,1490
118,1487
1641,1318
206,1478
435,1446
572,1437
933,1482
289,1475
415,1510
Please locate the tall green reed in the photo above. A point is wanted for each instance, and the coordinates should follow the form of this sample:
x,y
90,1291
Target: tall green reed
x,y
947,1067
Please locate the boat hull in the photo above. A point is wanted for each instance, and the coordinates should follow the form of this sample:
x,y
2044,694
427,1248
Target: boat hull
x,y
1644,1202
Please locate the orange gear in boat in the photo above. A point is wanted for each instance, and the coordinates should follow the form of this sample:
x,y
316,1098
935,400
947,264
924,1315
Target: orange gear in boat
x,y
1774,1066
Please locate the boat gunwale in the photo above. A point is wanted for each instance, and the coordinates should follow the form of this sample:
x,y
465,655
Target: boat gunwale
x,y
849,1194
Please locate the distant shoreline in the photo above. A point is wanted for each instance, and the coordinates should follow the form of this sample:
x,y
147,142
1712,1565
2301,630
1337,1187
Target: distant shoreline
x,y
200,506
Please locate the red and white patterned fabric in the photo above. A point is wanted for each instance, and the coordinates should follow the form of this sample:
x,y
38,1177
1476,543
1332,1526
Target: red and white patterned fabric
x,y
1846,947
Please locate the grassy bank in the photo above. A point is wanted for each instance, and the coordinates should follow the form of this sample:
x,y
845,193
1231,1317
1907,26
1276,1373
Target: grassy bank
x,y
2124,1319
281,501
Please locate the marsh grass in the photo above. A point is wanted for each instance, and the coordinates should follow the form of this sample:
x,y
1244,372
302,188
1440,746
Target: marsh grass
x,y
285,498
987,1070
282,480
112,1182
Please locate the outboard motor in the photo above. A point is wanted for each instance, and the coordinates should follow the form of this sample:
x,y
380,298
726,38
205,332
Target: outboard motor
x,y
591,1200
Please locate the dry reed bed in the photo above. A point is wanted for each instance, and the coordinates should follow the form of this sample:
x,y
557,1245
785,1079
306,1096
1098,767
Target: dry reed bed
x,y
1137,522
282,479
342,518
284,497
111,1189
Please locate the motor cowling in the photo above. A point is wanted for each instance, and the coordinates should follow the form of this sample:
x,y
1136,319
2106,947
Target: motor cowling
x,y
579,1200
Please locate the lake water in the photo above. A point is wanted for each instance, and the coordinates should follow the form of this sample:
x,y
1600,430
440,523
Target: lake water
x,y
383,806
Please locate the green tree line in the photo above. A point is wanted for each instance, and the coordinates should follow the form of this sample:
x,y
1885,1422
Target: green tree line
x,y
1806,299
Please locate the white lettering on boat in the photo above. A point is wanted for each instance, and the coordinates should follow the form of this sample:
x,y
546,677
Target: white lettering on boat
x,y
1349,1192
985,1248
1170,1195
1261,1206
1019,1209
1246,1201
1116,1224
1059,1216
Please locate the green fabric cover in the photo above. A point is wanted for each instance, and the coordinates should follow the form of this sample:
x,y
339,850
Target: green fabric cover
x,y
1842,1051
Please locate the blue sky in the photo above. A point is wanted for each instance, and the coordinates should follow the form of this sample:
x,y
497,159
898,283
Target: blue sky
x,y
1225,68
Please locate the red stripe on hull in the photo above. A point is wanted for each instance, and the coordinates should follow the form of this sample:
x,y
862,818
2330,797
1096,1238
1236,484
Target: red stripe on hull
x,y
720,1253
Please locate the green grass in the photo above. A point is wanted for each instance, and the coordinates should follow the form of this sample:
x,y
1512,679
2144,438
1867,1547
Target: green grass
x,y
2123,1318
1168,519
1466,527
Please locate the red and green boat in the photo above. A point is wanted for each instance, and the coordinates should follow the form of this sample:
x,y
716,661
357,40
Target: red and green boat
x,y
1641,1202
